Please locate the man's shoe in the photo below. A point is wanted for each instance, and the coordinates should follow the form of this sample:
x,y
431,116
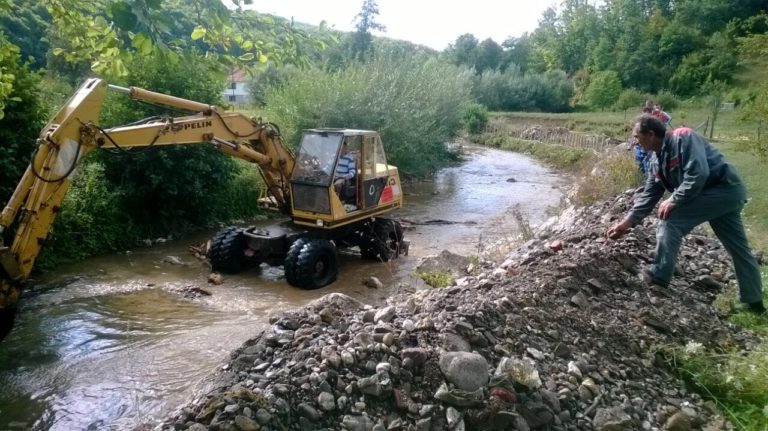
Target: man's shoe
x,y
647,277
752,307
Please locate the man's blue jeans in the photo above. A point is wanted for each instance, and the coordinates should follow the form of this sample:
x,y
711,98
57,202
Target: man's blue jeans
x,y
721,206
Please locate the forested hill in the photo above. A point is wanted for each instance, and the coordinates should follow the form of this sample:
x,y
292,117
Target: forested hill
x,y
651,45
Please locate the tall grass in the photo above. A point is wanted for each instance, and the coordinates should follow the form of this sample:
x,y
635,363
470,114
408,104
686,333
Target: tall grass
x,y
415,103
736,381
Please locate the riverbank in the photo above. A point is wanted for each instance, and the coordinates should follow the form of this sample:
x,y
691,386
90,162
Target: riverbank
x,y
559,335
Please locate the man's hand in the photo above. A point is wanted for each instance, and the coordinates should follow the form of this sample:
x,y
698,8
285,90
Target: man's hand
x,y
619,229
665,208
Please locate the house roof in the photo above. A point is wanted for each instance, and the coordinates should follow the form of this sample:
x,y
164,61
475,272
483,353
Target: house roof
x,y
238,76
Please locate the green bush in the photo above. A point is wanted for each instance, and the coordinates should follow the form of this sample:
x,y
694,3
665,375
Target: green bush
x,y
91,220
415,102
667,101
437,278
603,90
512,90
630,98
24,116
170,188
475,118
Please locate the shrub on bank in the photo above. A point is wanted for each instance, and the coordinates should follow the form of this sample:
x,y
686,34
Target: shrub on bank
x,y
738,381
609,175
415,103
475,118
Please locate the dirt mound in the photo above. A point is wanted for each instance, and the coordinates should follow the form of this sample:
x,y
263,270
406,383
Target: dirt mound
x,y
560,336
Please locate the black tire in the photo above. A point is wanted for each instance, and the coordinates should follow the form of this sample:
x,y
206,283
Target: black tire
x,y
292,259
227,253
317,264
382,240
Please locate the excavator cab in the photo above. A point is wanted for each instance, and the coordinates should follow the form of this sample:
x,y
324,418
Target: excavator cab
x,y
341,176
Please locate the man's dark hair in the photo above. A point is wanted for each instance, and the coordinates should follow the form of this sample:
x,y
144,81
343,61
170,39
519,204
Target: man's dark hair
x,y
649,123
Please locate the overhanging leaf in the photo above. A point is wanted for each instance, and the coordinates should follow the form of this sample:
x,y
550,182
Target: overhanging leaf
x,y
198,33
123,16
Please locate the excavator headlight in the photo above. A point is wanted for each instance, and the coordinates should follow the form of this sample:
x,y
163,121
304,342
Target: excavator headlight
x,y
319,223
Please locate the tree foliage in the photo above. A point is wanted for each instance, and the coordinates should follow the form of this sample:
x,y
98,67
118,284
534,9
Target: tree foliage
x,y
415,102
24,117
365,22
167,187
513,90
604,89
107,33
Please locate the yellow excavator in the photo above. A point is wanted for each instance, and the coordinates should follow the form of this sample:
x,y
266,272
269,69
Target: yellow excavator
x,y
333,191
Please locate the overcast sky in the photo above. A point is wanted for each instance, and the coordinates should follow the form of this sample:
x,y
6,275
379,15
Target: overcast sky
x,y
435,23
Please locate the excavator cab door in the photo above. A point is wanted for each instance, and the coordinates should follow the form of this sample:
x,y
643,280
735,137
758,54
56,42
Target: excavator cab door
x,y
373,171
314,170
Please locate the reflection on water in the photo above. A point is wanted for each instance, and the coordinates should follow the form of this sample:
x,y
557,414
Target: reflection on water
x,y
111,342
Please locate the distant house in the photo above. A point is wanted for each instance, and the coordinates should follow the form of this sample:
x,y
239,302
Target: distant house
x,y
236,92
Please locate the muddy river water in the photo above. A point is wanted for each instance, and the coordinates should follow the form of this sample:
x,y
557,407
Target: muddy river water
x,y
109,343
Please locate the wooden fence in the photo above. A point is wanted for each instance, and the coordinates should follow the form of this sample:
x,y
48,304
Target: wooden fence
x,y
554,135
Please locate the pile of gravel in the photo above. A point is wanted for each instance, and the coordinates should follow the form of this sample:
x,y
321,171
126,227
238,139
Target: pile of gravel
x,y
560,336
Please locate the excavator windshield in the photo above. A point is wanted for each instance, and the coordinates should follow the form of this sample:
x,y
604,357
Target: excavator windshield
x,y
317,158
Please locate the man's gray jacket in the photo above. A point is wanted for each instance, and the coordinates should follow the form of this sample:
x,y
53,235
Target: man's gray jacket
x,y
686,164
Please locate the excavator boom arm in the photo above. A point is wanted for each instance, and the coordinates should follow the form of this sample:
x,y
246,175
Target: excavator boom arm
x,y
74,131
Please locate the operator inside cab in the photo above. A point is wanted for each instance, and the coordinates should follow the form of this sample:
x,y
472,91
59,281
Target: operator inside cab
x,y
345,182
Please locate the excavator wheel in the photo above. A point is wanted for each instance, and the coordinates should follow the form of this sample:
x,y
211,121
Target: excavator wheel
x,y
382,241
292,259
316,265
227,253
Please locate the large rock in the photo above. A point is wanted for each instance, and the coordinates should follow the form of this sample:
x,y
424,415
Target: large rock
x,y
446,261
613,419
468,371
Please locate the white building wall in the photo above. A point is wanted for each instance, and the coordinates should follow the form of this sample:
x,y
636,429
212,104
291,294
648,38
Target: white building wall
x,y
237,95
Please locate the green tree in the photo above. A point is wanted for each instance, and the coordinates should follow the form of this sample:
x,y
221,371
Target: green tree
x,y
691,75
517,51
24,117
489,55
581,27
629,99
546,37
26,24
715,91
365,22
107,33
463,52
168,188
756,110
603,90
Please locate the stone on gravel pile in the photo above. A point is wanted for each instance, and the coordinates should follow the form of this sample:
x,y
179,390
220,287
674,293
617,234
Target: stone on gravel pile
x,y
561,336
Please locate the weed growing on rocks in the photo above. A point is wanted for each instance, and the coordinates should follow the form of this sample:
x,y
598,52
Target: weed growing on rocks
x,y
437,278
